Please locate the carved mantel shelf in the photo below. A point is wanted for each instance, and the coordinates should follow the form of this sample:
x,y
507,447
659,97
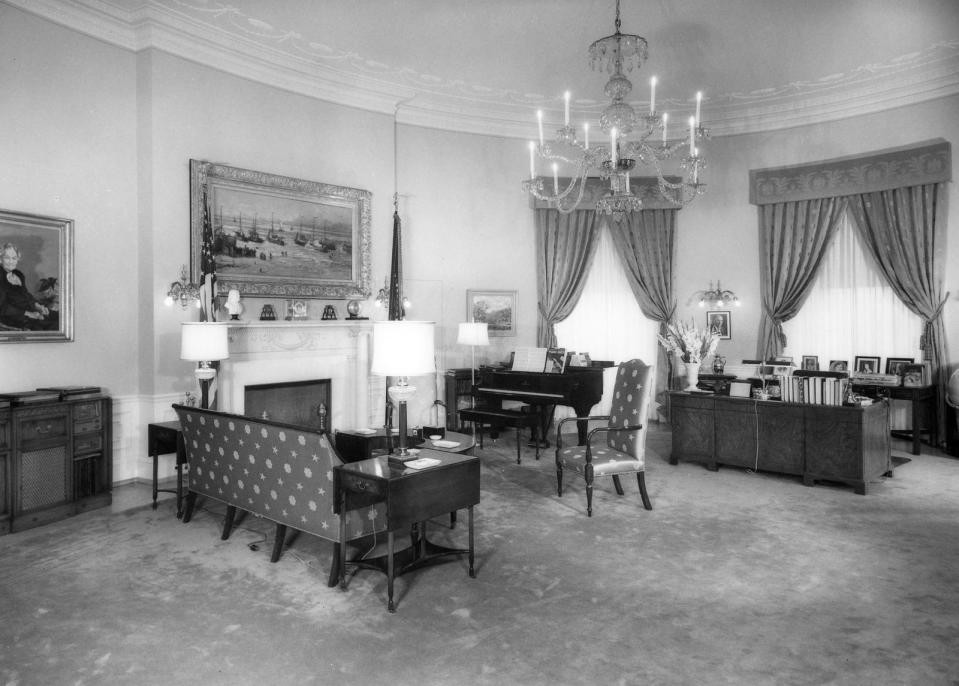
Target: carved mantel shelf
x,y
284,336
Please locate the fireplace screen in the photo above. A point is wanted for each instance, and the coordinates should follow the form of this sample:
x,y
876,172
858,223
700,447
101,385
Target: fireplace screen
x,y
304,403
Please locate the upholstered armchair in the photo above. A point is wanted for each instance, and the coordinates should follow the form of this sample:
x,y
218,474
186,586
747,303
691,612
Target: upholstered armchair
x,y
620,446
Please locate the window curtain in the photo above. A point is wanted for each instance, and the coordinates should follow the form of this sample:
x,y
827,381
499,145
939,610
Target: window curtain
x,y
793,237
565,246
902,228
645,241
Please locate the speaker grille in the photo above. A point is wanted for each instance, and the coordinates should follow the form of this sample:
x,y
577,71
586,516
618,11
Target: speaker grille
x,y
43,477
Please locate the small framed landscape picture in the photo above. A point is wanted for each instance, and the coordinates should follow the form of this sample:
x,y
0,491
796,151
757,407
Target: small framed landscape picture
x,y
810,363
496,308
718,322
866,364
839,365
894,365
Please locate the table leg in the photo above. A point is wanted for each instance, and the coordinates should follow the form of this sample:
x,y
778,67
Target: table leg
x,y
470,510
916,426
389,572
156,459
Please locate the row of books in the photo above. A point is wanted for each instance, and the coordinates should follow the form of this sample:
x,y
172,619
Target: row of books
x,y
815,390
49,394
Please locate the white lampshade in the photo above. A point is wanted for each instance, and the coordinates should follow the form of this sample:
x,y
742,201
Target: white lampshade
x,y
473,333
403,348
204,341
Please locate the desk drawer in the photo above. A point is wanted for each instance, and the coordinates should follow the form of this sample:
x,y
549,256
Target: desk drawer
x,y
356,483
87,443
86,427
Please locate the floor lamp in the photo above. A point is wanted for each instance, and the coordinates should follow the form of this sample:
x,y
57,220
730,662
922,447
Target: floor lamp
x,y
402,349
204,342
473,334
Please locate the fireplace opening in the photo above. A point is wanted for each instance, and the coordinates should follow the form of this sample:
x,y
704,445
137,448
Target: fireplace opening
x,y
304,403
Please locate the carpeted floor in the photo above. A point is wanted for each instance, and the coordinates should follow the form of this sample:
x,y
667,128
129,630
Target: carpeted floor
x,y
733,578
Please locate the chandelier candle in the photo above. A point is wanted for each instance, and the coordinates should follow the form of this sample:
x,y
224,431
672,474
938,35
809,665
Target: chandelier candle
x,y
566,108
665,120
652,96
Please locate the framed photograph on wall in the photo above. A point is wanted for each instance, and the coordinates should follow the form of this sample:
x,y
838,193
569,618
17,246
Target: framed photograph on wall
x,y
496,308
866,365
719,321
277,236
894,365
810,363
36,286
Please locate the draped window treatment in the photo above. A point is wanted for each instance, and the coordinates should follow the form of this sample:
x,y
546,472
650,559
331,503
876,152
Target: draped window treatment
x,y
565,245
897,200
793,237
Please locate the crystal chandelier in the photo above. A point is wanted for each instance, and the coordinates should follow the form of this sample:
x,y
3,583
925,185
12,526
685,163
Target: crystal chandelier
x,y
633,140
715,297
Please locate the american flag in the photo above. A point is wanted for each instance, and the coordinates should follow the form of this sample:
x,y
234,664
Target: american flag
x,y
396,273
208,287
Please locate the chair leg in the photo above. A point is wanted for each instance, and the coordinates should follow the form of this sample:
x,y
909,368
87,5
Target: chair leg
x,y
519,443
559,479
188,507
589,489
641,478
618,485
335,566
280,538
228,522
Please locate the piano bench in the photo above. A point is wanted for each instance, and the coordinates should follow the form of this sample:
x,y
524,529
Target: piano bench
x,y
518,419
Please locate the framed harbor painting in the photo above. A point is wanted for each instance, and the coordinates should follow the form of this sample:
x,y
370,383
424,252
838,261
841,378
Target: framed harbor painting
x,y
496,308
36,286
278,236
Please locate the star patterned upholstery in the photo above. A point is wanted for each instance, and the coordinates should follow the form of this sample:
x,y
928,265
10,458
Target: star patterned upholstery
x,y
281,472
621,446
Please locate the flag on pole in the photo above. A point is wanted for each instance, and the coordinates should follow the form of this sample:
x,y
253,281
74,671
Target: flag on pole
x,y
208,288
396,310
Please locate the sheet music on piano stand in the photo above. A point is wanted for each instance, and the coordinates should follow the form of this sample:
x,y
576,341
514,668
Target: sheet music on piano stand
x,y
529,360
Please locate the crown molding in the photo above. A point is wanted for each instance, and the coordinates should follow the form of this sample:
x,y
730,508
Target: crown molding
x,y
220,36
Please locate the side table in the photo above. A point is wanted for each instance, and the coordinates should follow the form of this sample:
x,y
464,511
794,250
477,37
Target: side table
x,y
920,397
411,497
164,438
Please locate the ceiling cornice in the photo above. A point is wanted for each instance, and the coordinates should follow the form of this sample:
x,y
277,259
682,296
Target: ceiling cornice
x,y
219,36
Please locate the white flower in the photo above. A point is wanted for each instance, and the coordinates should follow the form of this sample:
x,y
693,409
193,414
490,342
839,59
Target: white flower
x,y
693,344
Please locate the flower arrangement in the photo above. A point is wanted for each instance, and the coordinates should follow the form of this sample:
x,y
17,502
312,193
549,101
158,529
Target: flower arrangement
x,y
694,345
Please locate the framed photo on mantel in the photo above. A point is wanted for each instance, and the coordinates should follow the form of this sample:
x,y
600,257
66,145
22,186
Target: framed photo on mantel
x,y
277,236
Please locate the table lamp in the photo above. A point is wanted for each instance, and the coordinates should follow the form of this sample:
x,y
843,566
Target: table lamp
x,y
204,342
473,334
402,349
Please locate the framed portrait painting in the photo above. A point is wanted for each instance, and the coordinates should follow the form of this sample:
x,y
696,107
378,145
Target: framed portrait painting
x,y
718,321
36,286
496,308
278,236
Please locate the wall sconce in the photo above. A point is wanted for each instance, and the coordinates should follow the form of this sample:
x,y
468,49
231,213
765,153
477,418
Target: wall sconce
x,y
715,297
183,291
383,296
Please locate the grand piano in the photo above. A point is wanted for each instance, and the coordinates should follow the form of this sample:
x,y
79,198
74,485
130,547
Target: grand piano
x,y
577,387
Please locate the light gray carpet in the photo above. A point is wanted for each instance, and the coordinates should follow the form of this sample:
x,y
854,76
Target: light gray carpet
x,y
733,578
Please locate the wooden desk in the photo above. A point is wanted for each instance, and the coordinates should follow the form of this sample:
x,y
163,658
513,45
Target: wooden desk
x,y
411,497
164,438
920,397
354,445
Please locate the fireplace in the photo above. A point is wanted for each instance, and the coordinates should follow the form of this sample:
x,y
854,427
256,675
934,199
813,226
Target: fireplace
x,y
304,403
291,352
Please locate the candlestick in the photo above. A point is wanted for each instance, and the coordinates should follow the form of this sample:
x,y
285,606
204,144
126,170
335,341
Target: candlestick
x,y
692,136
586,134
612,148
665,125
652,95
699,102
566,114
539,120
532,160
555,178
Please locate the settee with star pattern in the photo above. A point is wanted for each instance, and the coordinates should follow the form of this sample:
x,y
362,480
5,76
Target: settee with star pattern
x,y
280,472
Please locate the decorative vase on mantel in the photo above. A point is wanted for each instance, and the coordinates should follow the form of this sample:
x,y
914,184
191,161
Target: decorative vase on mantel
x,y
692,376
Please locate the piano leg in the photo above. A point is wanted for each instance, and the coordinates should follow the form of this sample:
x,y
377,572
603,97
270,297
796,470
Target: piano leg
x,y
539,437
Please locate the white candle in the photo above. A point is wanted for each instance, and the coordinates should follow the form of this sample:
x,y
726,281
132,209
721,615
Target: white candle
x,y
539,119
692,136
532,160
612,147
586,134
566,108
665,125
555,178
652,95
696,170
699,102
627,182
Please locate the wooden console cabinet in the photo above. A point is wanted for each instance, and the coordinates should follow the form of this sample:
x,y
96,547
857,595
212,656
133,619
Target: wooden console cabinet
x,y
55,460
820,443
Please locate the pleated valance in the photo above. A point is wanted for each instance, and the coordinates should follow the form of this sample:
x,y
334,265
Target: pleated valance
x,y
646,188
913,165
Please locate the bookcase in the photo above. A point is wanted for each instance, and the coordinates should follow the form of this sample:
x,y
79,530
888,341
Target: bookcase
x,y
840,444
55,459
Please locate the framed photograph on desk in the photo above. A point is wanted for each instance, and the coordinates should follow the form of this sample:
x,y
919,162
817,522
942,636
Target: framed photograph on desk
x,y
866,365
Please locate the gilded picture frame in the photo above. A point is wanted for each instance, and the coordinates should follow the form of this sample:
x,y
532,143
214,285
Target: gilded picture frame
x,y
496,308
279,236
36,293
